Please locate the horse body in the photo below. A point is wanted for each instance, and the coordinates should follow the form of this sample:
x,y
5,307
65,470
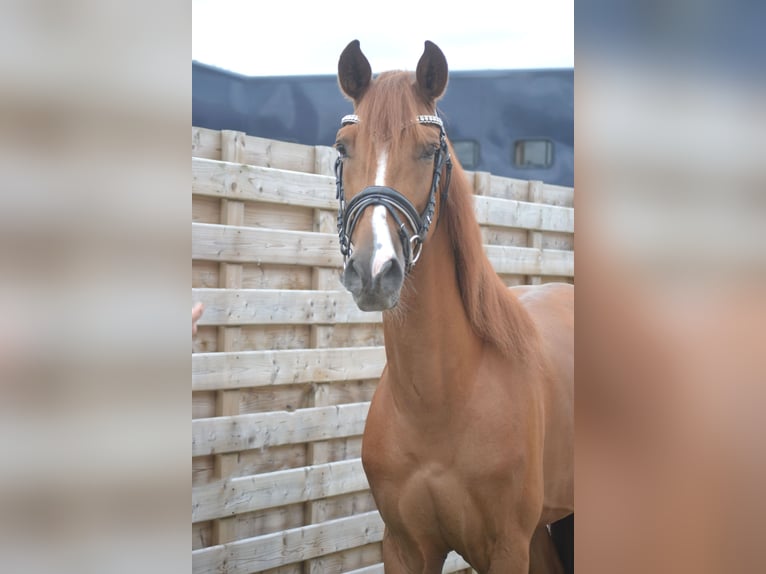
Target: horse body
x,y
454,443
468,441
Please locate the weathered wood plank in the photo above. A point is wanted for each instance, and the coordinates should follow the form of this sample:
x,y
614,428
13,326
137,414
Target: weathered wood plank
x,y
242,244
257,492
523,214
260,430
230,277
290,546
528,261
279,306
255,150
302,158
275,216
278,154
252,245
252,183
511,188
206,143
218,371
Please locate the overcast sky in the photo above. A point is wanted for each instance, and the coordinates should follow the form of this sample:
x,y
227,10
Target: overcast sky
x,y
283,37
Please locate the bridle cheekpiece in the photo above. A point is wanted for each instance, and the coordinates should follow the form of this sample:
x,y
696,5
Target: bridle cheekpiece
x,y
413,226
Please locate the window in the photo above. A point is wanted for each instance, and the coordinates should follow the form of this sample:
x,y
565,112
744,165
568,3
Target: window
x,y
533,153
467,152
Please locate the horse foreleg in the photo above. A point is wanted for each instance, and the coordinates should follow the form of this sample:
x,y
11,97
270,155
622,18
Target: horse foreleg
x,y
513,559
399,558
543,558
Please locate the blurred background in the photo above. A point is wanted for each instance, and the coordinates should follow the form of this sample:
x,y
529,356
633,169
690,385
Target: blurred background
x,y
94,277
670,201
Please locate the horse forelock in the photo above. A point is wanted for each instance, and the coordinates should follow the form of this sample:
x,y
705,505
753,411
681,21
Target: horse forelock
x,y
391,104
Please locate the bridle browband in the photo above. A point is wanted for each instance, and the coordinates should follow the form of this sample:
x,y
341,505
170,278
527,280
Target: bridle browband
x,y
397,204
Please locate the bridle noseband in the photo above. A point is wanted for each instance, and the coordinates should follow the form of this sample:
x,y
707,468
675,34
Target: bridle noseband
x,y
397,205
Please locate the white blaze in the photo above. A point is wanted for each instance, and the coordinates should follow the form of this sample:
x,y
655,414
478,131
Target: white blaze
x,y
381,236
380,175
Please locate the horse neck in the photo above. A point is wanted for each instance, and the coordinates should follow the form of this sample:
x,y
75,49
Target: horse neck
x,y
430,345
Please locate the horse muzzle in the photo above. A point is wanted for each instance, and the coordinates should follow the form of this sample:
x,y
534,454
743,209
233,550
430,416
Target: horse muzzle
x,y
373,292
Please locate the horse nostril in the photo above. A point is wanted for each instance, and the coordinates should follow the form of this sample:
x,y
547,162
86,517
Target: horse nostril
x,y
352,276
391,275
381,272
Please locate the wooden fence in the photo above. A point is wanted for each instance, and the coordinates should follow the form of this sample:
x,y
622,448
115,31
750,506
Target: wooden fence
x,y
284,364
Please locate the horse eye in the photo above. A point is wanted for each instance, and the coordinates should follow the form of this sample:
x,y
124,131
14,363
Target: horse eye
x,y
430,151
341,149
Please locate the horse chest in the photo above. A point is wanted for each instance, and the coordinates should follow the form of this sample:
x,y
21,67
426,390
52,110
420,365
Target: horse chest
x,y
435,487
470,441
435,505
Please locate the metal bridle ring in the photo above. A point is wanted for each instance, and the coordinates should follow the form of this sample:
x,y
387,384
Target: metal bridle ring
x,y
416,248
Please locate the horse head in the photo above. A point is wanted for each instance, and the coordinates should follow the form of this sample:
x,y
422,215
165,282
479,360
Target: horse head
x,y
391,155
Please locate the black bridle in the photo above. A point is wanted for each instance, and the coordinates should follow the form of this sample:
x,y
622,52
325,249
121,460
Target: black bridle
x,y
396,204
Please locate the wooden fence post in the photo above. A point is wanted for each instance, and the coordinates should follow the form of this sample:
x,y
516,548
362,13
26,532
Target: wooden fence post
x,y
319,452
230,277
535,238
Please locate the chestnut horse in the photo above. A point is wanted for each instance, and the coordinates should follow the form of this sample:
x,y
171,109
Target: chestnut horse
x,y
468,442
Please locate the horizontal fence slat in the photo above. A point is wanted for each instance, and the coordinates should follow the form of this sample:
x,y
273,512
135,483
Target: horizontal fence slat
x,y
501,186
246,244
280,488
523,215
213,242
206,143
235,370
253,183
243,432
530,261
289,546
256,150
280,306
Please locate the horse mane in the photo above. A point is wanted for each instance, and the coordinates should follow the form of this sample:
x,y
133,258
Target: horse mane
x,y
494,312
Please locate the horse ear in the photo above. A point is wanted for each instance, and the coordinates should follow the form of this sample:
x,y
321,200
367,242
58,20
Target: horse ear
x,y
431,72
354,72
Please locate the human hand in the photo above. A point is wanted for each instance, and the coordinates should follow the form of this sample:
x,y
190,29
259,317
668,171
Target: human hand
x,y
196,314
